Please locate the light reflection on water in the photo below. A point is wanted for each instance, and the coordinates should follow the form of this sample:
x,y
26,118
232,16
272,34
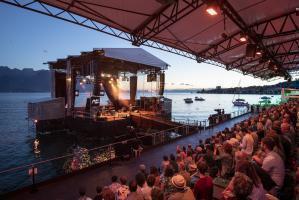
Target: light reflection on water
x,y
16,141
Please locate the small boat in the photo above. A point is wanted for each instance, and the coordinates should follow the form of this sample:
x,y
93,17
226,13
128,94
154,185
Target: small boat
x,y
265,98
188,100
240,102
199,99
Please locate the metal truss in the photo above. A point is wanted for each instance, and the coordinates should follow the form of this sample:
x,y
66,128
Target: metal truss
x,y
261,28
140,36
276,48
257,33
163,19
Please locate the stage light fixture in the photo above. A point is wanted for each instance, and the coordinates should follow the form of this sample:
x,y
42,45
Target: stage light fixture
x,y
258,52
243,37
212,7
297,11
224,35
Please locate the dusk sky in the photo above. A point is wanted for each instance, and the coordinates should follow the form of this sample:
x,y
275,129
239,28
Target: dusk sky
x,y
29,39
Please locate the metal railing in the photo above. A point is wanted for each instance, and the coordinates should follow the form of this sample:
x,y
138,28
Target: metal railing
x,y
82,158
205,123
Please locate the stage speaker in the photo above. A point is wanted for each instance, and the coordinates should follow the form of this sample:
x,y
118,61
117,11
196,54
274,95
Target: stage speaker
x,y
162,84
133,89
250,50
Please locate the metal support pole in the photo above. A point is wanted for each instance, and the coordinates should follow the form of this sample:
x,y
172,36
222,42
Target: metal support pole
x,y
33,187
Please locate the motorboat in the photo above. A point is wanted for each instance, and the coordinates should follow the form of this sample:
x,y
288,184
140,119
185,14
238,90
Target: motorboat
x,y
199,99
240,102
265,98
188,100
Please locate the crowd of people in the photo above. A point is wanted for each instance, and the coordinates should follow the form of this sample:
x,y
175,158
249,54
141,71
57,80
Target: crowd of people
x,y
257,156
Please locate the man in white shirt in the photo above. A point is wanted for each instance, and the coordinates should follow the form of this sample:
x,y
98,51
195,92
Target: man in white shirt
x,y
247,143
273,164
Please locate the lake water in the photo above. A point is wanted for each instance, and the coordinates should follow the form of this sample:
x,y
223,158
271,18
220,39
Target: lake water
x,y
16,138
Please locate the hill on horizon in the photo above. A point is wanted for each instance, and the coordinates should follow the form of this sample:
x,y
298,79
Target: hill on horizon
x,y
24,80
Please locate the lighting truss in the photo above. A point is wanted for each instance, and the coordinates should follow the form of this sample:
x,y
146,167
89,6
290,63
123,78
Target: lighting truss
x,y
258,33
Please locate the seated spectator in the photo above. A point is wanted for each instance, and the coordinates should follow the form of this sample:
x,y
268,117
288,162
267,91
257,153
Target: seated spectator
x,y
272,163
188,159
227,160
82,194
151,179
114,185
165,163
181,192
142,188
99,193
180,162
210,161
133,195
157,194
203,188
123,190
166,185
108,194
185,174
243,186
154,172
192,168
189,148
173,163
247,142
245,167
142,169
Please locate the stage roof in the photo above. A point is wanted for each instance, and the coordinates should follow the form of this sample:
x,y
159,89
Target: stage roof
x,y
135,55
183,27
124,58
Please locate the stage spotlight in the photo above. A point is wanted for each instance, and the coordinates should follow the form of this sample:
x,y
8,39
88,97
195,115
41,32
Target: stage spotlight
x,y
224,35
258,52
212,7
243,37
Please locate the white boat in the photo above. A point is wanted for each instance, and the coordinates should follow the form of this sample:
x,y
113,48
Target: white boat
x,y
188,100
199,99
265,98
240,102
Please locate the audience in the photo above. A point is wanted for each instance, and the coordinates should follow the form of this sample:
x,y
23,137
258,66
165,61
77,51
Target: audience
x,y
252,157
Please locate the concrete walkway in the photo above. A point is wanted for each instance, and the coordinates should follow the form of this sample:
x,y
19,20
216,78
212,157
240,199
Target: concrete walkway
x,y
67,189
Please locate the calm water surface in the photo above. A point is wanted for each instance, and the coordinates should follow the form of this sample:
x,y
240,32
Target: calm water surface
x,y
16,137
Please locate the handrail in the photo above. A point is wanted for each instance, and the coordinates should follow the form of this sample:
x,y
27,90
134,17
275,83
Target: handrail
x,y
189,122
92,149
